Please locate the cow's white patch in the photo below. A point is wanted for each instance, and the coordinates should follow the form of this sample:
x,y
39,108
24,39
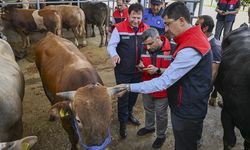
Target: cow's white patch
x,y
38,20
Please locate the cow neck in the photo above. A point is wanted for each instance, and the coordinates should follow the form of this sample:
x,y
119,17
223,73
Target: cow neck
x,y
99,147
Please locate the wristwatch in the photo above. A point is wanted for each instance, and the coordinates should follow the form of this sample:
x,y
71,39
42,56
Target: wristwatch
x,y
128,87
158,71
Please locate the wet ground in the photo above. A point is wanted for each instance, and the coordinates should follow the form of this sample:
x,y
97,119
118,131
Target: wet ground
x,y
51,135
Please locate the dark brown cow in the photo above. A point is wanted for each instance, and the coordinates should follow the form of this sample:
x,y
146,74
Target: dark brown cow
x,y
24,21
63,67
73,18
97,13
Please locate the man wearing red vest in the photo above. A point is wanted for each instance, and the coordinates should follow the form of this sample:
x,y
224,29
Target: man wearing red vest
x,y
188,79
121,12
125,48
227,10
155,59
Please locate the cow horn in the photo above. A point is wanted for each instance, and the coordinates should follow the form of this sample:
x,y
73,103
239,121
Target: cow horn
x,y
114,90
69,95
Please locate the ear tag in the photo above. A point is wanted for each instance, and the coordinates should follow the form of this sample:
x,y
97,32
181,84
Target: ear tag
x,y
62,113
25,146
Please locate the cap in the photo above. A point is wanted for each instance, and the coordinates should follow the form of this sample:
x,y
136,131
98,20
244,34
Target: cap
x,y
156,2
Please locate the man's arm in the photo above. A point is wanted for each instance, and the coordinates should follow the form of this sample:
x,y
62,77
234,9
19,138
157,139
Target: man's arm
x,y
185,60
113,42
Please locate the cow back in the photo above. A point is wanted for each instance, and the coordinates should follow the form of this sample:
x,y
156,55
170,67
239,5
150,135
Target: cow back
x,y
96,12
233,81
62,66
11,95
72,19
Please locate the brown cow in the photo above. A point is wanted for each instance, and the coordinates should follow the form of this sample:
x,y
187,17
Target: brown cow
x,y
63,67
73,18
24,21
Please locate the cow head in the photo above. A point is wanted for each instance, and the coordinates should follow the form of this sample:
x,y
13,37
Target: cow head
x,y
90,107
6,11
22,144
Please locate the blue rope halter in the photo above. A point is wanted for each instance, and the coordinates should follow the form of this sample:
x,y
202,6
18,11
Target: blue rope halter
x,y
100,147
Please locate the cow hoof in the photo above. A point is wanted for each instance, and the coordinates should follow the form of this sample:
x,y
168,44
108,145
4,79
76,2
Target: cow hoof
x,y
220,104
212,101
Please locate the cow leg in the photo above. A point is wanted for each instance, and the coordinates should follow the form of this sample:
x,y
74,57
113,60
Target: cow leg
x,y
93,30
106,34
246,145
28,40
76,36
86,30
229,138
100,27
24,38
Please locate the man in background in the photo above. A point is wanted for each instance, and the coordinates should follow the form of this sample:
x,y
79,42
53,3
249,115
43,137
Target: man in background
x,y
152,15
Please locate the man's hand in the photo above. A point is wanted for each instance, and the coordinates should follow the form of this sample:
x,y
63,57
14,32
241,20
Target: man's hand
x,y
151,69
121,89
140,66
115,60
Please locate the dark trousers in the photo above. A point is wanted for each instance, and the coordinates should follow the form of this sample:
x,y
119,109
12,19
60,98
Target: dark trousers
x,y
220,25
128,100
186,132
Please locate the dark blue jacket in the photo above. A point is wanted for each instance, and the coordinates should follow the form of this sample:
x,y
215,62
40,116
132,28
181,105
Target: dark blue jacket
x,y
130,47
155,21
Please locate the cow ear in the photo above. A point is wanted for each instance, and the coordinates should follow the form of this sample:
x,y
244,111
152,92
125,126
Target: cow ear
x,y
60,109
28,142
69,95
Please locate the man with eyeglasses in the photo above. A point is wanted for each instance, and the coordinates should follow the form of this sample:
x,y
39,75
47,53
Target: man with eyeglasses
x,y
155,59
152,15
121,12
188,79
125,52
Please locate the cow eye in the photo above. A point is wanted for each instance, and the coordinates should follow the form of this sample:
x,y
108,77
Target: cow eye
x,y
78,121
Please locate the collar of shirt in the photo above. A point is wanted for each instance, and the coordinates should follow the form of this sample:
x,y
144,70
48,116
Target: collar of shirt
x,y
210,38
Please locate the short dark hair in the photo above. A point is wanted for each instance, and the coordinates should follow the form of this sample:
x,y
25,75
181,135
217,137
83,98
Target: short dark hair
x,y
177,10
137,7
208,22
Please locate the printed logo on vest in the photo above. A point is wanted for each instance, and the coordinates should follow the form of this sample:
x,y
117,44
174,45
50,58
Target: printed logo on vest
x,y
158,22
231,6
125,37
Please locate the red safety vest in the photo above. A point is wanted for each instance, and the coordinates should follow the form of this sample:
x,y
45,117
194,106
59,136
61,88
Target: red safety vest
x,y
162,60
